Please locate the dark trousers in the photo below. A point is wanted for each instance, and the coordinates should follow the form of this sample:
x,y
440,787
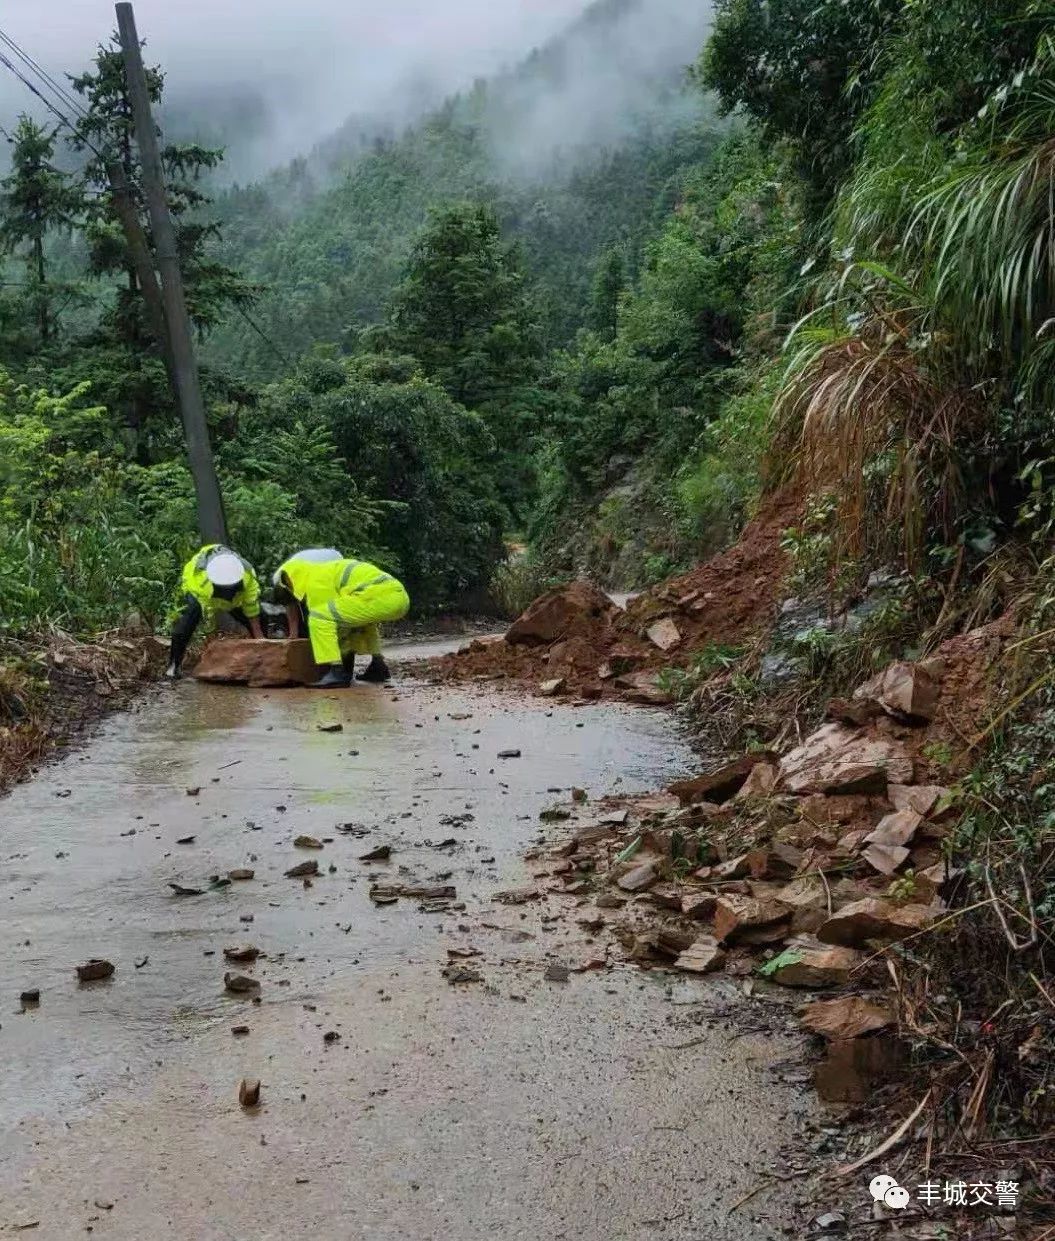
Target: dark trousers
x,y
189,620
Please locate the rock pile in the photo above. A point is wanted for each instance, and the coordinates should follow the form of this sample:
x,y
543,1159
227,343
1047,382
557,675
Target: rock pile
x,y
798,867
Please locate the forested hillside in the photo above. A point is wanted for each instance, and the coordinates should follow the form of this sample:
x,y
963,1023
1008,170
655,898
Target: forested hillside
x,y
606,331
380,322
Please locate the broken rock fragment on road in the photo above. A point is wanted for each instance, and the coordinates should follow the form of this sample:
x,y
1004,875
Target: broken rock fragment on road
x,y
94,970
249,1092
240,984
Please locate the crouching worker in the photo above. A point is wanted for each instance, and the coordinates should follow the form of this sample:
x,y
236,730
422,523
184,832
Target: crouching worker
x,y
215,580
345,601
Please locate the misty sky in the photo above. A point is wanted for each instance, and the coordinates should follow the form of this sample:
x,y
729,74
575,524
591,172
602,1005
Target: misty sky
x,y
304,66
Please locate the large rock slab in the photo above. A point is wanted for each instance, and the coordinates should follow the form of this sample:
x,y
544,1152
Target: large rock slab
x,y
258,662
560,612
812,965
874,919
838,759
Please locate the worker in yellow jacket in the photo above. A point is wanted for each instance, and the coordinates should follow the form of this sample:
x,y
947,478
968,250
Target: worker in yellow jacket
x,y
345,601
214,580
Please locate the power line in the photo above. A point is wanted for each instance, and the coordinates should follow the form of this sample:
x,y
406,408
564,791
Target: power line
x,y
282,357
63,94
64,120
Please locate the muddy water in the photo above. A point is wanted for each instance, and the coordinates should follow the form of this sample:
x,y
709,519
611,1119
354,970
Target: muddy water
x,y
510,1107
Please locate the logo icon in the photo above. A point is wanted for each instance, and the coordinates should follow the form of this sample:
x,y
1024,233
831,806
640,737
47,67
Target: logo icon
x,y
886,1190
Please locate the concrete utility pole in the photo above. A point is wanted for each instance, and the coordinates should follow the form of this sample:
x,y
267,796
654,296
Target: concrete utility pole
x,y
125,208
181,343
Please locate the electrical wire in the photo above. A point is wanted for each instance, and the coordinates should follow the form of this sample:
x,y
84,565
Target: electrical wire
x,y
282,357
64,95
49,104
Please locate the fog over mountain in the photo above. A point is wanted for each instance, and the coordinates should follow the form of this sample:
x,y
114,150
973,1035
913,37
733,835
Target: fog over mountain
x,y
271,79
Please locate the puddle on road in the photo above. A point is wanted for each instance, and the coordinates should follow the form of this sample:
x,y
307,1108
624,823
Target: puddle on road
x,y
74,884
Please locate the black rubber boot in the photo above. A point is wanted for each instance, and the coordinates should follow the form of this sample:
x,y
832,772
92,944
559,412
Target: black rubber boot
x,y
335,677
377,671
348,664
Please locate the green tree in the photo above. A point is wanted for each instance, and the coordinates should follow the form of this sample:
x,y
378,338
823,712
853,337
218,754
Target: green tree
x,y
109,128
804,70
36,199
608,284
385,432
463,311
462,308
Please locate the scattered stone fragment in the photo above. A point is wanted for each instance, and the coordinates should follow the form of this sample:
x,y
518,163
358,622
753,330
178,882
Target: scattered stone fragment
x,y
610,900
239,1031
94,969
638,879
429,892
664,634
240,983
872,918
179,890
885,858
508,753
331,1036
552,687
760,782
896,829
329,728
642,687
733,868
307,842
554,814
381,854
699,905
718,785
302,870
666,896
515,896
459,951
556,972
615,818
578,796
242,952
461,974
849,1016
902,689
921,798
381,895
743,919
241,873
30,996
703,956
186,840
249,1092
194,791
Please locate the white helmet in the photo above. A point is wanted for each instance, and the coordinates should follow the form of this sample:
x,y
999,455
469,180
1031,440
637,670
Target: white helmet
x,y
225,570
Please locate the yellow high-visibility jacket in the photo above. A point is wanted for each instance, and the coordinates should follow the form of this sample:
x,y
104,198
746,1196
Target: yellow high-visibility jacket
x,y
195,581
345,600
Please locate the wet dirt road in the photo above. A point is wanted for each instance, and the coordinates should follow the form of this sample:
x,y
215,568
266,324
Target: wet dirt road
x,y
512,1107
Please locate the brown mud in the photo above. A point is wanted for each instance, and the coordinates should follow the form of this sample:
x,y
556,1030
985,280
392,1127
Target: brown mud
x,y
609,654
